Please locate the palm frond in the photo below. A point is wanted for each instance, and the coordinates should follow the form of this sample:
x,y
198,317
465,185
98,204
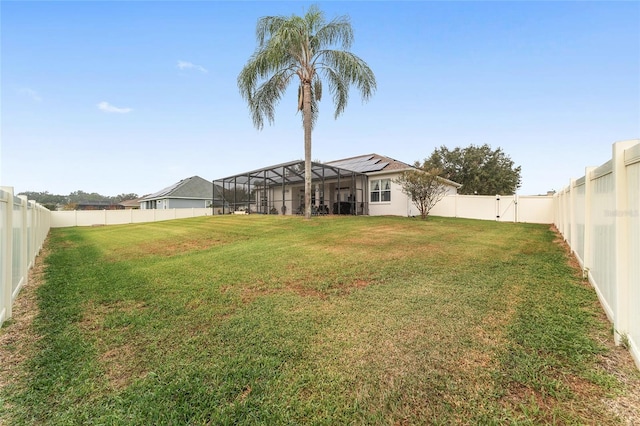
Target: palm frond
x,y
338,33
267,26
302,46
264,99
339,89
343,69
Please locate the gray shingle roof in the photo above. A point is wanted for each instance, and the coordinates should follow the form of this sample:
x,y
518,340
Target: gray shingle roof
x,y
369,163
193,187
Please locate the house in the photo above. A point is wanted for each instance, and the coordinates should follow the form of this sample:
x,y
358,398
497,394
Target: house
x,y
362,185
131,204
193,192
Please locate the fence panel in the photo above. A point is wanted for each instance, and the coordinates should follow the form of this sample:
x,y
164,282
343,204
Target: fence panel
x,y
579,218
602,260
599,216
632,160
24,226
6,259
477,207
535,209
446,207
62,219
19,261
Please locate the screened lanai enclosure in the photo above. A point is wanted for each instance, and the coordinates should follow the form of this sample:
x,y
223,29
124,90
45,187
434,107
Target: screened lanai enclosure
x,y
279,189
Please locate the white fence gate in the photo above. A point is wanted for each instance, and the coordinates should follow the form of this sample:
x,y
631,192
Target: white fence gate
x,y
501,208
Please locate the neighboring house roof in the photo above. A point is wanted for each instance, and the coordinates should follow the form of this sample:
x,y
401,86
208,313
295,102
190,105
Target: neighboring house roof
x,y
131,203
194,187
97,205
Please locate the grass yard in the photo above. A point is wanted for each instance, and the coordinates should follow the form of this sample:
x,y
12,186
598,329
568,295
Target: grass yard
x,y
351,320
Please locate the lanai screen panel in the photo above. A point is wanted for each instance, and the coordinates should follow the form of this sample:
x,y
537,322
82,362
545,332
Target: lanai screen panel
x,y
289,173
238,190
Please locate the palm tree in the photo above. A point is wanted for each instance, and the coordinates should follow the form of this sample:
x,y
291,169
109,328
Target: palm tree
x,y
302,46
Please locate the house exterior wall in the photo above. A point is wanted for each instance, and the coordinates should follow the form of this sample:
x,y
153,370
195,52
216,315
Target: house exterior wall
x,y
185,203
357,190
174,203
400,204
396,206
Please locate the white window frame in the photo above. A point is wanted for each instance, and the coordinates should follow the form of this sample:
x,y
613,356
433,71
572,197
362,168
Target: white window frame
x,y
382,191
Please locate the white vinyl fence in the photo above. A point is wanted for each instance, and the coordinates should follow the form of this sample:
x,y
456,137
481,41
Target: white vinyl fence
x,y
509,208
64,219
501,208
24,225
599,216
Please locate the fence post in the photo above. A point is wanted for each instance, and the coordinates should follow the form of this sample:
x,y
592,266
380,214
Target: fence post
x,y
33,221
572,214
24,246
586,249
7,258
621,220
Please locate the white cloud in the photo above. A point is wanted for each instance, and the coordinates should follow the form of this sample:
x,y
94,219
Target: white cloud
x,y
30,93
184,65
107,107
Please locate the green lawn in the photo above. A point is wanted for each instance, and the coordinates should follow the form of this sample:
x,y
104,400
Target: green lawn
x,y
349,320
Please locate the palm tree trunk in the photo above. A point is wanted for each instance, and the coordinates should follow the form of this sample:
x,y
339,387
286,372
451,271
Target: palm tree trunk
x,y
306,122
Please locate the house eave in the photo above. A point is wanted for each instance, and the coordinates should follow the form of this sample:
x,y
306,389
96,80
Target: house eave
x,y
406,169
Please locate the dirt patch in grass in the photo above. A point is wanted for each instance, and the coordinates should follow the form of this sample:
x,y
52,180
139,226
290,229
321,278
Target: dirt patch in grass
x,y
572,261
617,361
120,371
119,360
163,248
248,293
17,336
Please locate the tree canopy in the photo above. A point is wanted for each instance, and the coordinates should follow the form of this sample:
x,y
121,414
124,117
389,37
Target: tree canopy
x,y
51,201
306,49
480,169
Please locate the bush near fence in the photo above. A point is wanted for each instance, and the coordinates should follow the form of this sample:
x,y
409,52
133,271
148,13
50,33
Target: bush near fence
x,y
24,226
599,216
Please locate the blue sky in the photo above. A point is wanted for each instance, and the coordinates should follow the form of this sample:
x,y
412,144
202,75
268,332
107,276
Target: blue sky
x,y
121,97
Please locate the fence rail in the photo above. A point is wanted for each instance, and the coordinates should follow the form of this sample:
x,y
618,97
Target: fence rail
x,y
24,226
599,216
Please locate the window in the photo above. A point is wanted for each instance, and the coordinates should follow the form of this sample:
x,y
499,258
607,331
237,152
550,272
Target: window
x,y
380,190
